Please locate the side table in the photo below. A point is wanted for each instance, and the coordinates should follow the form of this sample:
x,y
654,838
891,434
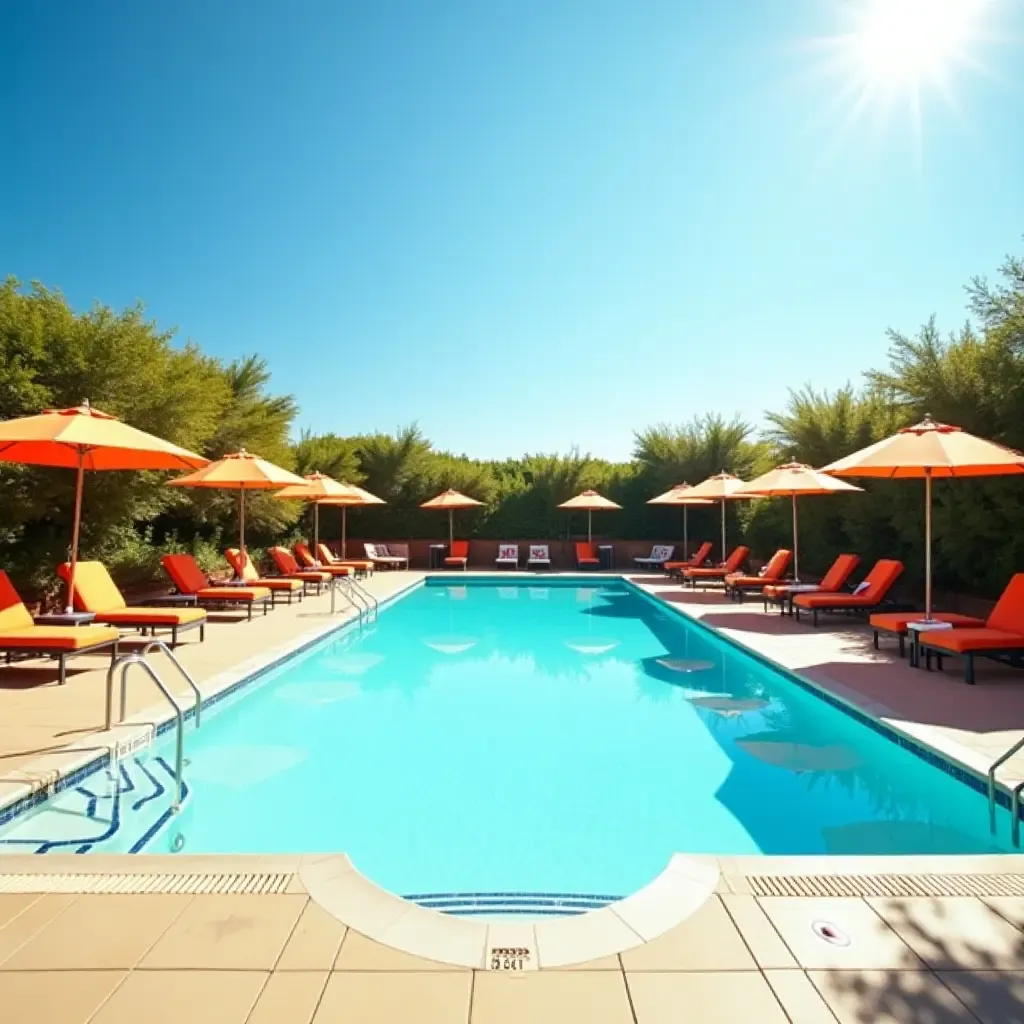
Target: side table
x,y
914,630
65,619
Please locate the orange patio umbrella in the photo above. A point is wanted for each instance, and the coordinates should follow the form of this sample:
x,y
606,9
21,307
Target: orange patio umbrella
x,y
240,472
451,500
929,450
721,487
83,438
316,487
792,480
354,499
589,502
680,495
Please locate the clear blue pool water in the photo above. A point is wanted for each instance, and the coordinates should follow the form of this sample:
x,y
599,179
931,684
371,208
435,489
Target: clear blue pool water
x,y
507,737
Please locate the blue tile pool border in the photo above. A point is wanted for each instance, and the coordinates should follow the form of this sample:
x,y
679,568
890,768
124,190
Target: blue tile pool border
x,y
927,754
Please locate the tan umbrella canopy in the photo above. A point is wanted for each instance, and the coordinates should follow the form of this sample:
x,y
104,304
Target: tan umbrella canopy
x,y
240,472
354,499
721,487
317,486
83,438
925,451
680,495
451,500
589,502
792,480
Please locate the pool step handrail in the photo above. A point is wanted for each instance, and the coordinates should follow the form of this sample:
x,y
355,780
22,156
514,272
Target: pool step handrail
x,y
357,595
160,645
365,595
124,663
1015,811
1015,802
336,585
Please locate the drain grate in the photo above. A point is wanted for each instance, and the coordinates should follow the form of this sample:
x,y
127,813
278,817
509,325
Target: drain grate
x,y
260,884
886,885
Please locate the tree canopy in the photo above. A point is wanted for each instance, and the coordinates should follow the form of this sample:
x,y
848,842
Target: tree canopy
x,y
52,356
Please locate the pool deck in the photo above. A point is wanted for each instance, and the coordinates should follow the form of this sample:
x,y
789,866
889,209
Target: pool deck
x,y
241,939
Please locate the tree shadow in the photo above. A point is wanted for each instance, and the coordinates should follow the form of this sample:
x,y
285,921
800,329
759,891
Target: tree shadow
x,y
960,979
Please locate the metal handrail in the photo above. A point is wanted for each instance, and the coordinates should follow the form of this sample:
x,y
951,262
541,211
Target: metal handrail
x,y
1015,811
998,763
161,646
366,595
335,586
126,662
356,593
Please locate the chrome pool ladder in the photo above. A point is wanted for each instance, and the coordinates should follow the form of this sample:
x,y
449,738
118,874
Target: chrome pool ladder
x,y
124,663
1015,795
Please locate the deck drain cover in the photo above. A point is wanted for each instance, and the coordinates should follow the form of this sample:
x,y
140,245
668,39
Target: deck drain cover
x,y
828,932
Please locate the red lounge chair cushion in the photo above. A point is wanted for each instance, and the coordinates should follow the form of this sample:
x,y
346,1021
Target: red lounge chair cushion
x,y
896,622
57,638
961,641
152,616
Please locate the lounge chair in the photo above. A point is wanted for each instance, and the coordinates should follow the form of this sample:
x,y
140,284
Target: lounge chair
x,y
362,566
289,569
539,557
867,597
717,574
508,556
586,556
304,558
379,555
401,552
21,637
898,624
737,584
96,592
659,555
458,555
189,579
832,582
700,556
1001,638
246,572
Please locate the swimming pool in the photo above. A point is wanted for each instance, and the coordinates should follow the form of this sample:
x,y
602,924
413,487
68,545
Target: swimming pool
x,y
556,736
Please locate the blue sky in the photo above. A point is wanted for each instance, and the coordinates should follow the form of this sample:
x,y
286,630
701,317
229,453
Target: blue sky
x,y
523,224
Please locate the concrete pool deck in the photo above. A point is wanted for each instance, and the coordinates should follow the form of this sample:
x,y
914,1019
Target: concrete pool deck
x,y
936,939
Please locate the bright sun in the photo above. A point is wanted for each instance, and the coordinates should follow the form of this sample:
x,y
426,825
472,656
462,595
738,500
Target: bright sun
x,y
899,44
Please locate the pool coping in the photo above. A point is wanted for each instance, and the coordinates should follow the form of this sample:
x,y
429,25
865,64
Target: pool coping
x,y
930,745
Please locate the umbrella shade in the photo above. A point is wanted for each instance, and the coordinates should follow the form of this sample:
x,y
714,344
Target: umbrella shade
x,y
680,495
721,487
790,481
356,497
83,438
451,500
925,451
240,471
589,502
316,487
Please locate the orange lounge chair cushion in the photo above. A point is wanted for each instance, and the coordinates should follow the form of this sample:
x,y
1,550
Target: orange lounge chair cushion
x,y
709,573
896,622
305,556
962,641
839,572
153,616
459,551
732,564
881,578
247,571
184,573
778,590
57,638
737,579
95,591
273,583
1008,613
240,594
287,566
772,571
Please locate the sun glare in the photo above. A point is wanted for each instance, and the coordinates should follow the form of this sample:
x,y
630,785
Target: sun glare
x,y
906,42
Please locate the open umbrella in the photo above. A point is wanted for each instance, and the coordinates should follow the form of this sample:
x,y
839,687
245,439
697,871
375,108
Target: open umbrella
x,y
451,500
83,438
925,451
589,502
356,497
680,495
721,487
240,472
792,480
316,487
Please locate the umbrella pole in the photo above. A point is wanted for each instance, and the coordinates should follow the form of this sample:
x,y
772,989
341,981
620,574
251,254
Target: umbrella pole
x,y
723,531
316,530
796,546
451,529
344,525
590,522
79,485
928,544
685,541
241,522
